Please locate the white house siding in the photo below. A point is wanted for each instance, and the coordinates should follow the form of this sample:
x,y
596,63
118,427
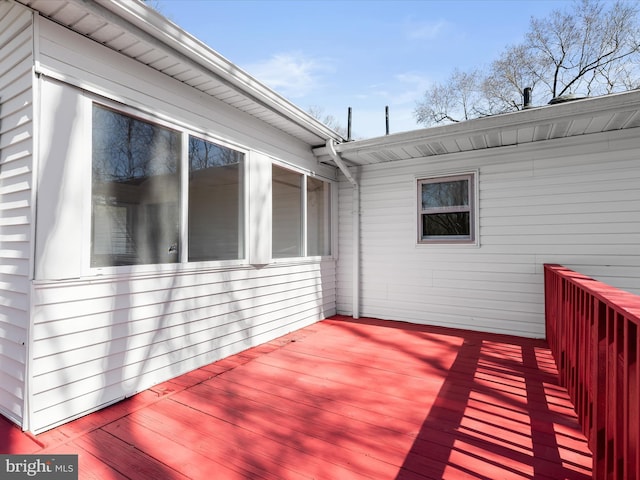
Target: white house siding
x,y
575,202
16,155
102,335
100,341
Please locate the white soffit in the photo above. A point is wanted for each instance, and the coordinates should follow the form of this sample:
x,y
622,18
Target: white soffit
x,y
139,32
571,119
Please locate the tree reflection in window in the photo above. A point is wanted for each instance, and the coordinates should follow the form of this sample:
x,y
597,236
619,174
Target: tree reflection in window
x,y
216,202
135,190
446,212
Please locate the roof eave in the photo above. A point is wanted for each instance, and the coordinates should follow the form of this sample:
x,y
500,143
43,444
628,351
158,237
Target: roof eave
x,y
521,119
159,27
147,21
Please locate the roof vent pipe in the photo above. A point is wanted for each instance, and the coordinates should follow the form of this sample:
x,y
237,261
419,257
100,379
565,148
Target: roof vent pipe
x,y
349,124
386,118
527,98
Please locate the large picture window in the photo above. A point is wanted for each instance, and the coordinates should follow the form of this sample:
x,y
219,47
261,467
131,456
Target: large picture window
x,y
135,191
446,209
216,202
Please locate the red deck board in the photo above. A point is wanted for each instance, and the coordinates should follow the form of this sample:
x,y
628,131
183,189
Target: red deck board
x,y
216,439
347,399
224,441
126,458
91,467
173,454
314,388
13,440
360,429
333,398
332,445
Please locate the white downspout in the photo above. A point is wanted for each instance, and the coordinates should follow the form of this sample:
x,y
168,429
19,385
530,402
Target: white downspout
x,y
355,214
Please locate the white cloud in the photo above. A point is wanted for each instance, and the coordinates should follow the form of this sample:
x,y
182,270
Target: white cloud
x,y
401,88
292,74
412,87
426,30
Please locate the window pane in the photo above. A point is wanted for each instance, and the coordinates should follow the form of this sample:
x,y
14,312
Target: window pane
x,y
446,224
286,194
445,194
216,206
135,191
318,216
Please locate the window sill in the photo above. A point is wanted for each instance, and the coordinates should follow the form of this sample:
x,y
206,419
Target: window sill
x,y
448,244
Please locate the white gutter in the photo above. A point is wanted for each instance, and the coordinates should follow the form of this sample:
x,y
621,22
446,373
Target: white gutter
x,y
355,215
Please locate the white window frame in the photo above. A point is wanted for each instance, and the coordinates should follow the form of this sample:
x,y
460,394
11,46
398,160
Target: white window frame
x,y
331,221
473,237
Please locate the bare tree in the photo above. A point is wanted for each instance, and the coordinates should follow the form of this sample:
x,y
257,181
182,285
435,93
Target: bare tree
x,y
503,86
589,49
330,121
459,98
586,51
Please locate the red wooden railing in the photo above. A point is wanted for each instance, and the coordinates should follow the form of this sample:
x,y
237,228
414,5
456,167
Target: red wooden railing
x,y
592,329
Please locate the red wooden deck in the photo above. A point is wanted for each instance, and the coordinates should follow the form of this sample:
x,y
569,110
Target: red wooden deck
x,y
341,399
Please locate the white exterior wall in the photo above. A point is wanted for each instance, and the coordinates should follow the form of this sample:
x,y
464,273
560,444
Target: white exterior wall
x,y
100,335
98,341
16,160
574,201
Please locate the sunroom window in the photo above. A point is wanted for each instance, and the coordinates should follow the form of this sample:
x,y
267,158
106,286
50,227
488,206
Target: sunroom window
x,y
286,212
446,209
318,217
298,231
135,190
216,202
156,200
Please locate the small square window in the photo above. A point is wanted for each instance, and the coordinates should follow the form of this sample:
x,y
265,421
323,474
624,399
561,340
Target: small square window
x,y
446,209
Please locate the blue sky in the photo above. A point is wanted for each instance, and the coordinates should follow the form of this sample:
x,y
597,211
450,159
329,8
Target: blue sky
x,y
360,54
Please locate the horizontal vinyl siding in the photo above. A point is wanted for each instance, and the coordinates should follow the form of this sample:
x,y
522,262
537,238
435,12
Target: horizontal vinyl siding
x,y
96,343
16,157
577,204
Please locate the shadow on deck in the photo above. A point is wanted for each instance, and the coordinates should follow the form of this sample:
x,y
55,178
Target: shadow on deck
x,y
341,399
